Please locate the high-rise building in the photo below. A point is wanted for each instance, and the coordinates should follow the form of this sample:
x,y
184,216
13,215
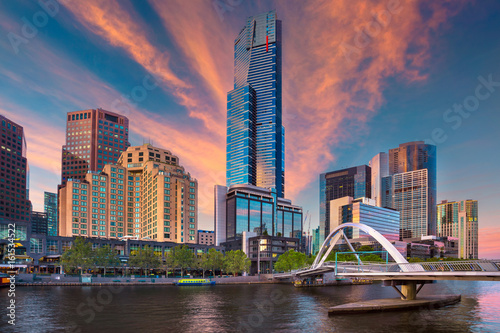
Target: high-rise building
x,y
50,208
379,165
255,134
364,210
459,219
411,188
315,241
14,176
353,182
39,223
94,138
146,194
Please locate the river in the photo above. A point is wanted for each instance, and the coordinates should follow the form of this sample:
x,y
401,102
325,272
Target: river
x,y
246,308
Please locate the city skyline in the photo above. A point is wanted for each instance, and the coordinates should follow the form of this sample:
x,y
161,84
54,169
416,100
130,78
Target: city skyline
x,y
343,102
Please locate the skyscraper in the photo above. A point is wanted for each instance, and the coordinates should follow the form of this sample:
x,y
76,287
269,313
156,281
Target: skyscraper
x,y
255,134
353,182
459,219
94,138
379,165
411,187
50,207
14,176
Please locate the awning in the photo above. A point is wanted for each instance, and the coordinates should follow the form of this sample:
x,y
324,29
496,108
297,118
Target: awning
x,y
53,256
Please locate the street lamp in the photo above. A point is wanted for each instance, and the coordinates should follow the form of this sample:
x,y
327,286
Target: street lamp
x,y
258,258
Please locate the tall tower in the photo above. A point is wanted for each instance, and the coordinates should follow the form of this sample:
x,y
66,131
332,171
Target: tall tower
x,y
94,138
255,134
413,173
14,194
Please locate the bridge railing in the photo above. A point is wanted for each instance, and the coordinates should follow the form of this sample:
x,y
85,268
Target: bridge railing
x,y
437,266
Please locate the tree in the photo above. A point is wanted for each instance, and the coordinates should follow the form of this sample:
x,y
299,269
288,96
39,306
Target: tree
x,y
169,262
290,260
365,248
202,262
78,256
215,260
106,257
236,261
183,257
145,258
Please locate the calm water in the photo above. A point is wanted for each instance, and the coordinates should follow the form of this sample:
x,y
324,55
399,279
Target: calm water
x,y
247,308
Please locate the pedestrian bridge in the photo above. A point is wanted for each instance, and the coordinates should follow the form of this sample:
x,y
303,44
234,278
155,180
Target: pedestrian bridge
x,y
400,269
399,272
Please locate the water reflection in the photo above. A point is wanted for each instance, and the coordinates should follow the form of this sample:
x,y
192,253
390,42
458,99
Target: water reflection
x,y
254,308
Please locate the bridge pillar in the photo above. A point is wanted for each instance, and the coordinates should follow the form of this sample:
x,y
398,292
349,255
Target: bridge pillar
x,y
409,291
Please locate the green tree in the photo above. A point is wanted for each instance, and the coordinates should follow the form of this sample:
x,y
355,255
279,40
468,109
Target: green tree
x,y
291,260
169,262
145,258
236,261
202,262
215,259
365,248
106,257
183,257
80,255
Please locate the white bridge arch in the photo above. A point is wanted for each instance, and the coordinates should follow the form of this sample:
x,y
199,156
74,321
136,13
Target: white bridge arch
x,y
338,232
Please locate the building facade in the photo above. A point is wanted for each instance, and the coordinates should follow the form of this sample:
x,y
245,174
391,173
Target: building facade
x,y
459,219
39,223
413,190
14,175
146,195
94,138
364,210
50,208
255,209
255,134
353,182
379,165
206,237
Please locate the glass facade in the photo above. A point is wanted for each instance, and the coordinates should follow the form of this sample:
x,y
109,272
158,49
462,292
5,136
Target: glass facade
x,y
414,156
353,182
50,208
241,153
255,213
257,78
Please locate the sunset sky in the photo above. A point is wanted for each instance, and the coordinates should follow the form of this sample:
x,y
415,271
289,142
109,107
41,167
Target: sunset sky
x,y
359,77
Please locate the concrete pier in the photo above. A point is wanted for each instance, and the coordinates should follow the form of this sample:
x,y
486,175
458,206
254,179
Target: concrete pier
x,y
394,304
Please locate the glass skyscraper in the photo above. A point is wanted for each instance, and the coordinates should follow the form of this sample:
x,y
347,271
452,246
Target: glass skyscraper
x,y
353,182
50,207
255,134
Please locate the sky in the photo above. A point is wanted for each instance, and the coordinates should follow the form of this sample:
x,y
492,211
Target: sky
x,y
359,78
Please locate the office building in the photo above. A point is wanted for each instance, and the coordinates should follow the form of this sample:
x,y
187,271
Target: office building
x,y
146,195
459,219
379,166
255,209
414,191
315,241
255,134
364,210
14,176
206,237
353,182
94,138
39,223
50,208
